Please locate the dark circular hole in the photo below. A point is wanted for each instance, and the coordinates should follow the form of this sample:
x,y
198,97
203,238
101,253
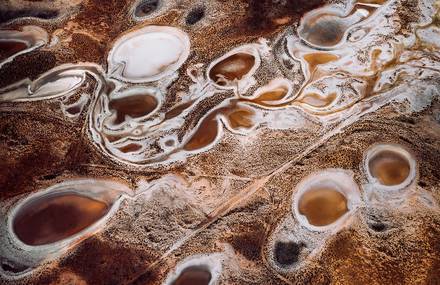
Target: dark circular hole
x,y
146,7
287,253
50,176
377,226
195,15
169,143
375,221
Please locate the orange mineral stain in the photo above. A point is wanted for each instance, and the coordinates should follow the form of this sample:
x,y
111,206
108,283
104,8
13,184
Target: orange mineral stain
x,y
177,110
318,101
132,147
234,67
389,167
322,206
241,118
205,134
134,106
275,94
315,59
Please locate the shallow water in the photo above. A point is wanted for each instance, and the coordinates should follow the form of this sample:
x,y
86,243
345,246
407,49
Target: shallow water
x,y
322,206
193,276
389,168
133,106
50,219
232,68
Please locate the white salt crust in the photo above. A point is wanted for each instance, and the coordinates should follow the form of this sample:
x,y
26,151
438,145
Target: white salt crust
x,y
148,54
400,151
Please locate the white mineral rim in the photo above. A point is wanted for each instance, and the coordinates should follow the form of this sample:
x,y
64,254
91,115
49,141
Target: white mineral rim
x,y
399,151
148,54
212,262
338,179
109,192
247,80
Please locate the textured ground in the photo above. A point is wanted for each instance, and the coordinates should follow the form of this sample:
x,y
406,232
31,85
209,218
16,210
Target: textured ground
x,y
232,202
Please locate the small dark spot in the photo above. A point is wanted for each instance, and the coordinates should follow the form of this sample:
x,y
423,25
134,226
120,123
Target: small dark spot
x,y
287,253
375,223
287,64
146,7
73,110
50,176
169,143
146,229
422,184
195,15
408,120
377,226
437,117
